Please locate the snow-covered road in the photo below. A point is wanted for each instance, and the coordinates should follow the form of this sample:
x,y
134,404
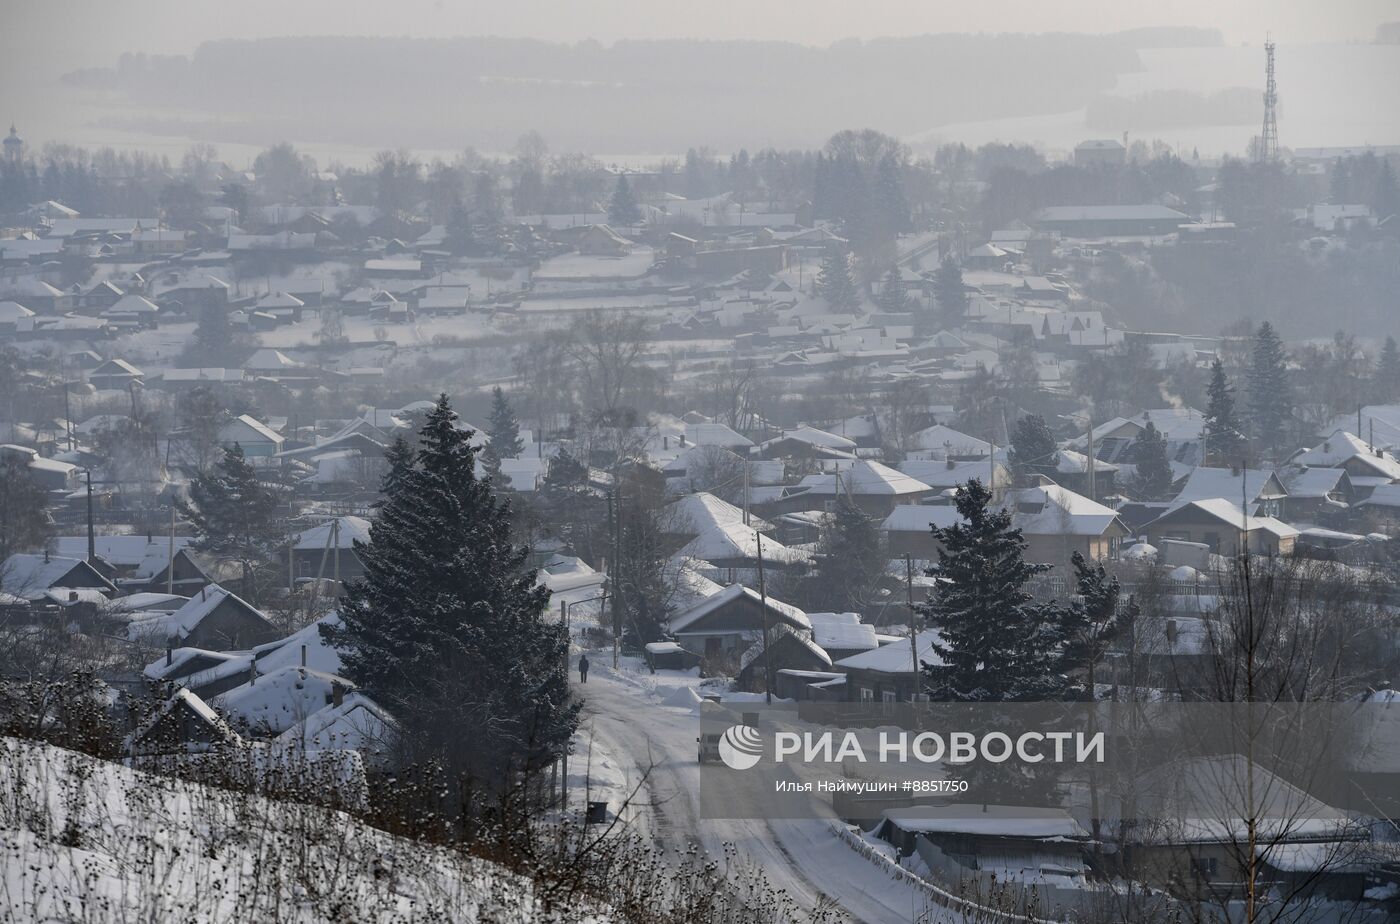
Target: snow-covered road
x,y
627,716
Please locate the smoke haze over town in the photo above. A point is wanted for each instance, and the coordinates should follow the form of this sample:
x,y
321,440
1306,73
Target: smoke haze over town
x,y
517,462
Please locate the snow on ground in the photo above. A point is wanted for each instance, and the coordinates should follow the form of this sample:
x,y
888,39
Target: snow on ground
x,y
89,840
651,721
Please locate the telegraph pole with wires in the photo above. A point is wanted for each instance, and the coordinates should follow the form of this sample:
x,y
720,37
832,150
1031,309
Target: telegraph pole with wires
x,y
763,600
1268,139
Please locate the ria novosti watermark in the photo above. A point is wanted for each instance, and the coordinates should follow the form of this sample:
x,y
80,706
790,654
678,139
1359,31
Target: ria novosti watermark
x,y
801,760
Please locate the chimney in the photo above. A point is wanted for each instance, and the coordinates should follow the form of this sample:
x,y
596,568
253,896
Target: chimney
x,y
1234,471
1171,632
337,693
682,439
169,656
303,655
951,464
72,596
665,442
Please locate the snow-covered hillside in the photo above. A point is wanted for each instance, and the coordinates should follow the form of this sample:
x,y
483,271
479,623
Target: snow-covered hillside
x,y
87,840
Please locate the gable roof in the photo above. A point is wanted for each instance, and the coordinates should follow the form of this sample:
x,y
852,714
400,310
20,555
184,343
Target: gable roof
x,y
31,576
730,541
776,634
687,618
946,439
698,513
187,618
1231,515
866,478
352,528
814,437
261,429
895,657
1232,485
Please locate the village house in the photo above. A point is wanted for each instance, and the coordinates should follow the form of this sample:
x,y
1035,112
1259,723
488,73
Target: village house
x,y
725,625
888,674
115,374
214,619
1224,528
328,550
257,440
874,488
1054,521
32,577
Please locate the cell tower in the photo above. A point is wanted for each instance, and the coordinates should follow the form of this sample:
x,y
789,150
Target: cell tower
x,y
1268,141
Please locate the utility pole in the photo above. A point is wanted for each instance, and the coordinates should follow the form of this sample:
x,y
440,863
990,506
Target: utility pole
x,y
1090,449
92,535
763,598
170,565
745,464
615,586
913,627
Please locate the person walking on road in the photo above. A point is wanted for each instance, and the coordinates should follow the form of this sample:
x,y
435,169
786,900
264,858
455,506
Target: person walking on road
x,y
583,668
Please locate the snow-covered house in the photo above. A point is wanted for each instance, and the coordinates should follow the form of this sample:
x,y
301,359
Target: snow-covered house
x,y
328,550
32,577
726,624
255,438
214,619
873,487
887,674
115,374
806,442
1224,527
1055,522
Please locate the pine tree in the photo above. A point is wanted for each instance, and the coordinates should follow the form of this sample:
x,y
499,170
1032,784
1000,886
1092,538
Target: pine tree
x,y
1223,437
996,645
894,297
232,512
399,459
849,562
24,522
1270,395
949,291
447,628
637,574
622,208
834,282
504,432
1033,448
1154,473
1387,381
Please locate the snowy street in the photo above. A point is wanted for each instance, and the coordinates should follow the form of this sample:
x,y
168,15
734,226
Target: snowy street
x,y
627,714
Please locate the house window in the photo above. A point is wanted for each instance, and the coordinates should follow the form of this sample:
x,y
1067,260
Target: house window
x,y
867,695
712,647
1204,866
888,696
304,568
1213,540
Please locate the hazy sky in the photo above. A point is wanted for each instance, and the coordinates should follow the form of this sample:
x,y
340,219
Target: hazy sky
x,y
56,35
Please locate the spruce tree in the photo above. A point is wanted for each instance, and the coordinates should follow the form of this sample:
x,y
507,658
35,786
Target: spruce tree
x,y
622,208
447,628
233,514
1270,395
1153,477
949,291
849,562
25,524
1223,437
637,574
834,282
1033,448
399,459
1387,381
996,643
894,297
504,432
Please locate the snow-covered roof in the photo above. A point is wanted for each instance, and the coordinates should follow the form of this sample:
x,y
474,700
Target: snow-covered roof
x,y
1311,482
1231,515
30,576
274,702
896,657
1233,485
1333,451
730,541
279,300
146,554
696,514
1069,462
842,631
686,618
988,821
228,433
351,528
715,434
1047,510
781,631
359,724
865,477
187,618
270,360
939,474
814,437
950,441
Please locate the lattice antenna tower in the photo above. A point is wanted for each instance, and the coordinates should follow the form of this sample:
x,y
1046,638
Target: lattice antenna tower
x,y
1268,140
